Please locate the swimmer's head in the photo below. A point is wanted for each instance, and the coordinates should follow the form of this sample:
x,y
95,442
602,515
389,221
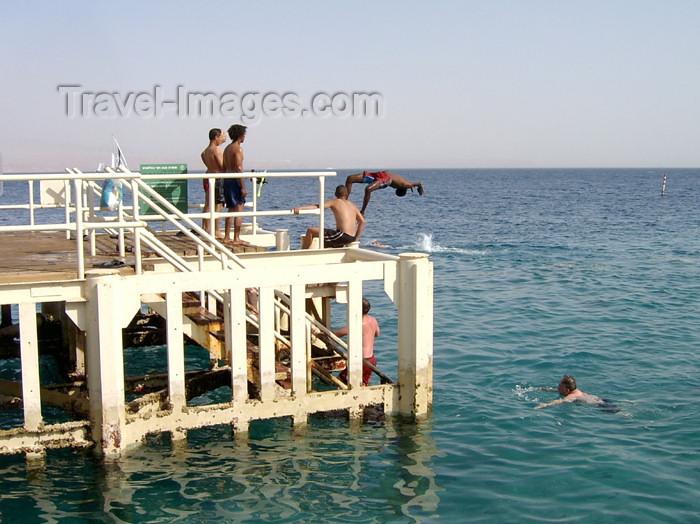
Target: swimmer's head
x,y
567,385
401,191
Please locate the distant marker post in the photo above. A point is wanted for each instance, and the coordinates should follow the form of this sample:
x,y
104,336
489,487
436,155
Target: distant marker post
x,y
663,186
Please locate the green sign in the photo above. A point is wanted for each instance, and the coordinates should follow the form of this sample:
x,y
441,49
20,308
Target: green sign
x,y
174,191
163,169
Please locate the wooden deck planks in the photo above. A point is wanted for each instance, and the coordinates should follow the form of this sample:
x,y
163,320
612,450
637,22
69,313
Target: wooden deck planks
x,y
48,256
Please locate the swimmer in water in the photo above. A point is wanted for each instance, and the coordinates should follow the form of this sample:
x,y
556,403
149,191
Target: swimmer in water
x,y
570,393
377,243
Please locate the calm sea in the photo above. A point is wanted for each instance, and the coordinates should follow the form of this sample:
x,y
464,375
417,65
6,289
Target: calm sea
x,y
538,273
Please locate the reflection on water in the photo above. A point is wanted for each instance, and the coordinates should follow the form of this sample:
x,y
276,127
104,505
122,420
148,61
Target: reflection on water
x,y
331,470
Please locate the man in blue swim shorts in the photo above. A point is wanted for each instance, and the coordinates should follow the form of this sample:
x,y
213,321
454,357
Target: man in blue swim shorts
x,y
234,188
380,180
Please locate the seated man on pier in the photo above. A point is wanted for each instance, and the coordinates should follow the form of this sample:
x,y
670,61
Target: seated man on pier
x,y
348,219
380,180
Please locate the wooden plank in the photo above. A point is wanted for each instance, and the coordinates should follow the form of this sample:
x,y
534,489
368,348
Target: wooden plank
x,y
49,256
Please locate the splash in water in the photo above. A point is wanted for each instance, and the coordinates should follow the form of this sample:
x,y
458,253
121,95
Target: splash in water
x,y
427,244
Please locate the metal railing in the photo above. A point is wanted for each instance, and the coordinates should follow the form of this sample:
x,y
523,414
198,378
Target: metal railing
x,y
78,195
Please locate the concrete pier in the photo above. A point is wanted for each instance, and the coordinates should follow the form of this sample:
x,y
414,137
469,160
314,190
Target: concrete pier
x,y
267,351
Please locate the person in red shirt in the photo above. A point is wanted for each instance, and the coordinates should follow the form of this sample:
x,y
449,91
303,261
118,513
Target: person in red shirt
x,y
370,331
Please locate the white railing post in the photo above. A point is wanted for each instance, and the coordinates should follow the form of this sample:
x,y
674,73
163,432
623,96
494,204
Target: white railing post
x,y
79,227
415,333
137,230
67,200
120,231
211,204
321,219
31,202
254,221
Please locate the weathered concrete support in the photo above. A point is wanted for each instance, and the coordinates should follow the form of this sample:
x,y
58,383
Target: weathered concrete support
x,y
74,340
176,357
29,350
105,360
354,323
266,343
282,240
300,360
415,334
235,326
298,339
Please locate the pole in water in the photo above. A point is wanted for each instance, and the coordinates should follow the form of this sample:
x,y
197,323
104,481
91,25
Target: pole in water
x,y
663,186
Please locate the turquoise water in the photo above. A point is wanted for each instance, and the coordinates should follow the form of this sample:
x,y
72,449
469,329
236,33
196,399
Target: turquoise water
x,y
538,273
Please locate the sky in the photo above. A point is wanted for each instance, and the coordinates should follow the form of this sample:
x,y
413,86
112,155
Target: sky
x,y
344,85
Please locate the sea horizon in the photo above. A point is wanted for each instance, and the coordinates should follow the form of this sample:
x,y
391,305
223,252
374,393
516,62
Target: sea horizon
x,y
590,273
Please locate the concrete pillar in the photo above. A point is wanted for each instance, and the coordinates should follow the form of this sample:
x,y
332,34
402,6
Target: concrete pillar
x,y
176,357
236,343
282,240
415,333
74,340
29,352
105,360
266,343
354,323
299,358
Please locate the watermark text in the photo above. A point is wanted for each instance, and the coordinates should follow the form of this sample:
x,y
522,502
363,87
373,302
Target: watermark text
x,y
249,107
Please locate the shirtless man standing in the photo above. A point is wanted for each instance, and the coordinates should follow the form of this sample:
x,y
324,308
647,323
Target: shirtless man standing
x,y
380,180
213,158
234,188
349,222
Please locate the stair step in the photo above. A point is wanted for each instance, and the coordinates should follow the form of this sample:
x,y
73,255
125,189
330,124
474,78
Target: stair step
x,y
204,317
190,300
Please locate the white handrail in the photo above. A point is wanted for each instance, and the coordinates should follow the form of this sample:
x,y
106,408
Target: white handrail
x,y
80,205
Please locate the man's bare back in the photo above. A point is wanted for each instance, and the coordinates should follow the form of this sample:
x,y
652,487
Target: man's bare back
x,y
213,158
348,218
345,213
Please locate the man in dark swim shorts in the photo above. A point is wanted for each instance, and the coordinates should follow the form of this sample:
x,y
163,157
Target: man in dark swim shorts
x,y
213,158
336,238
348,220
380,180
